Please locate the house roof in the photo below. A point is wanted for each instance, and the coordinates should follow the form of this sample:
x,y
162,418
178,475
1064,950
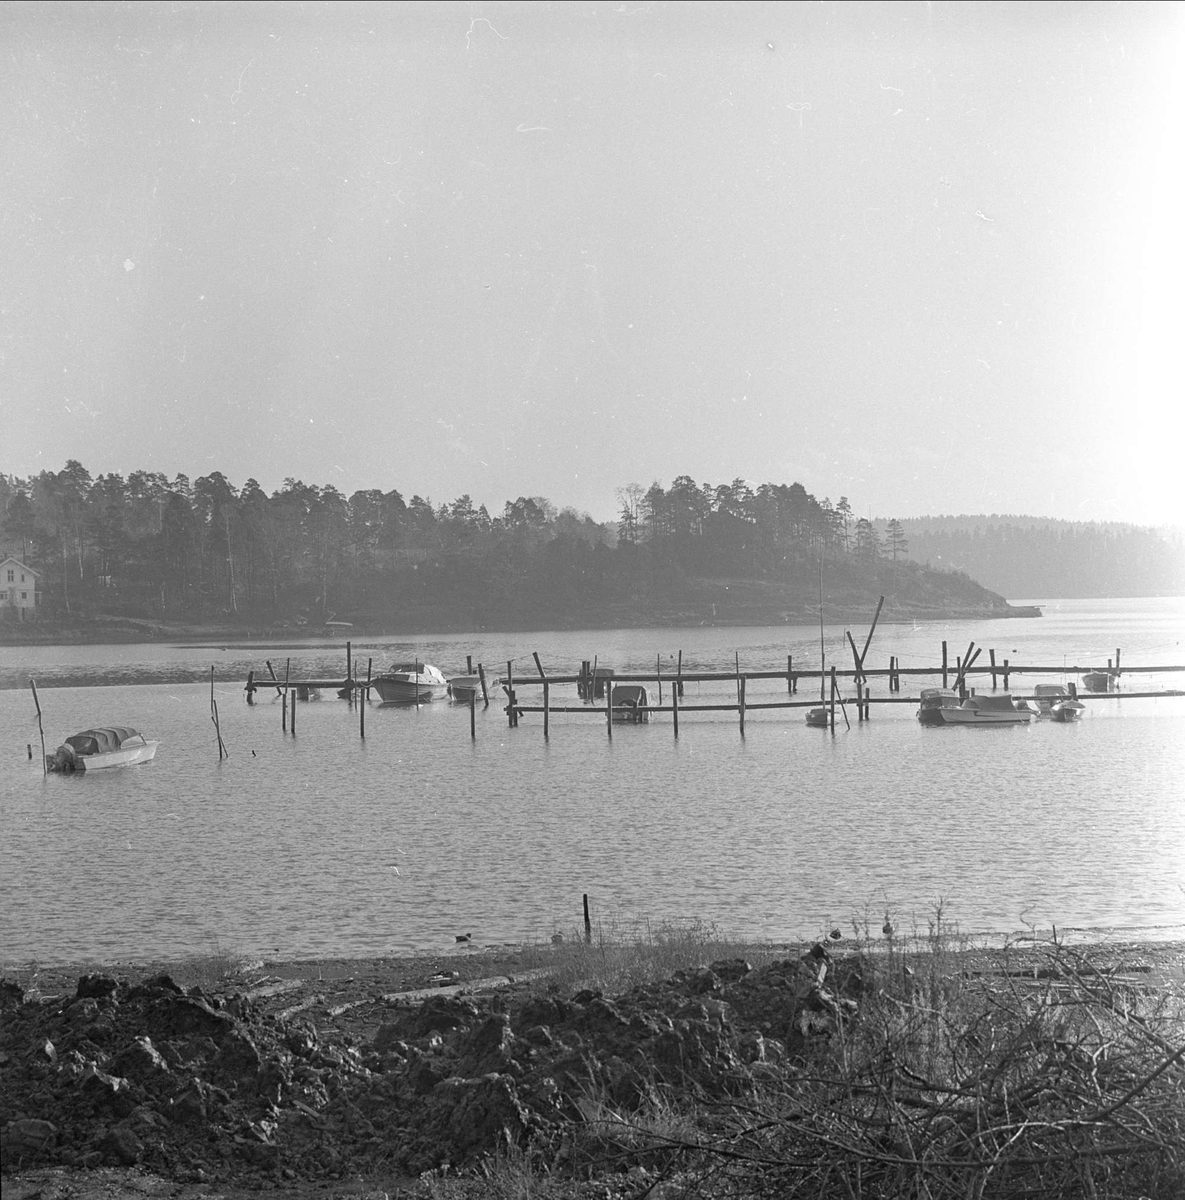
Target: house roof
x,y
17,562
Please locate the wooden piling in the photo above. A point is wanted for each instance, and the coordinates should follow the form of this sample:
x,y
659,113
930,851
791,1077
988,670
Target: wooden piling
x,y
1116,660
992,657
272,673
587,922
741,703
222,751
675,709
293,702
284,709
609,706
363,700
789,674
472,715
481,675
40,727
679,673
546,710
944,664
833,685
468,664
510,713
658,673
1005,674
250,688
349,672
737,653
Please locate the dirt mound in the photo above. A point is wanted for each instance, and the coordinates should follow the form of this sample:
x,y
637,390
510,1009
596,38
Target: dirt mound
x,y
229,1088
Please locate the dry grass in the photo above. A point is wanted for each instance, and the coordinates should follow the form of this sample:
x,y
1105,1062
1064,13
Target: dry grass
x,y
1023,1073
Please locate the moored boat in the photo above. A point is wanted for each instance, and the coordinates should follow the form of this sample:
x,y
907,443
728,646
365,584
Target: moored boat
x,y
464,688
108,746
1098,681
934,699
630,703
1057,702
410,683
984,710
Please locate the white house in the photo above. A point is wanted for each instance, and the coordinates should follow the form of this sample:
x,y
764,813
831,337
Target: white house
x,y
18,588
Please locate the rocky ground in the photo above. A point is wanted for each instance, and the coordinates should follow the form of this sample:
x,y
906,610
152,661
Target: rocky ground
x,y
356,1077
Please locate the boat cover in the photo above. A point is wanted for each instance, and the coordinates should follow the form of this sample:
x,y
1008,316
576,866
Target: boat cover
x,y
1047,690
426,671
628,693
992,703
101,741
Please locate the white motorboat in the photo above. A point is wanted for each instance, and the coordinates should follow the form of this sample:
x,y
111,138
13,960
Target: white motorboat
x,y
983,710
410,683
1057,702
109,746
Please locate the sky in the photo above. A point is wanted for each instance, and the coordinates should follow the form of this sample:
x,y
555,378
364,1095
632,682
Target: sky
x,y
927,256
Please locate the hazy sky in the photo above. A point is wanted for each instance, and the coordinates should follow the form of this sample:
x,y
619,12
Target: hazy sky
x,y
924,255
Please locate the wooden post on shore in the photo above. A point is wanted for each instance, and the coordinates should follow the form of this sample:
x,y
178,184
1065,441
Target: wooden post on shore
x,y
741,704
992,657
481,675
679,674
944,664
40,727
675,709
587,922
472,715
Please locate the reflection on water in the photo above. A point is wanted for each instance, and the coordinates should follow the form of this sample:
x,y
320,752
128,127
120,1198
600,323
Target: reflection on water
x,y
324,842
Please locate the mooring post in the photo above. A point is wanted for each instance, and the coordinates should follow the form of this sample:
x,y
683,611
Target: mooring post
x,y
859,700
349,672
741,703
587,922
833,685
1116,660
582,681
1005,674
675,708
679,674
40,727
510,693
944,664
472,715
250,688
295,694
609,707
992,659
272,673
738,674
363,700
481,675
546,709
789,674
658,673
284,713
468,664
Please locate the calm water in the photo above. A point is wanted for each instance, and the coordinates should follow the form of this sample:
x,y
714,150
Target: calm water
x,y
324,844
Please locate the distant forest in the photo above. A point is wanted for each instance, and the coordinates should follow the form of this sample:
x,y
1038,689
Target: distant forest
x,y
1033,558
206,551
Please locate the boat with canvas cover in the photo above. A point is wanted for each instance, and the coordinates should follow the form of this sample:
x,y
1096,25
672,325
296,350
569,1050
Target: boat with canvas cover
x,y
986,710
410,683
108,746
630,704
934,699
464,688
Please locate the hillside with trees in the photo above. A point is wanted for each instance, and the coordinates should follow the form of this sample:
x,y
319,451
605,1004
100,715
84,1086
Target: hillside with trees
x,y
157,553
1035,558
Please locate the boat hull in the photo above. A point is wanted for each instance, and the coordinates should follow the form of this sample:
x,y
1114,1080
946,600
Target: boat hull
x,y
972,716
128,757
399,691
